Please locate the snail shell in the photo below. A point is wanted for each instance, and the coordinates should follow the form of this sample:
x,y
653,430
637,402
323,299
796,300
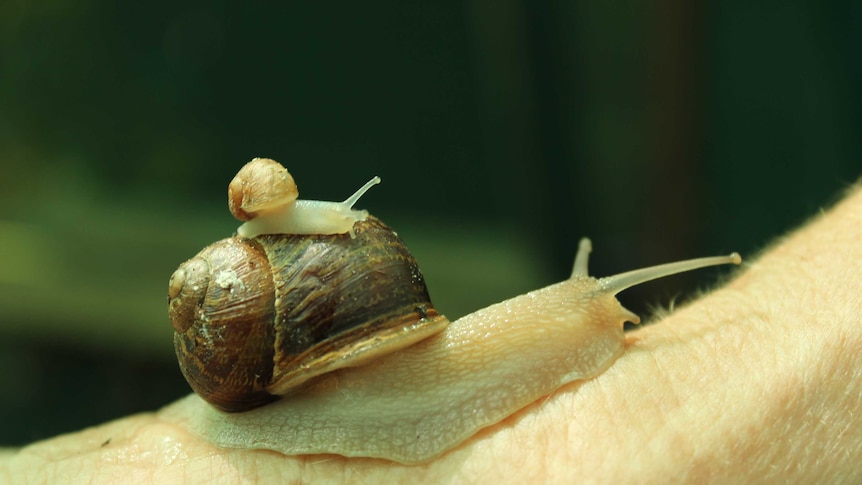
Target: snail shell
x,y
261,186
257,318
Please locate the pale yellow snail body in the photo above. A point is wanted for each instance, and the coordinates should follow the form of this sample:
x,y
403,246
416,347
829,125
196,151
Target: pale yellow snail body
x,y
415,403
264,195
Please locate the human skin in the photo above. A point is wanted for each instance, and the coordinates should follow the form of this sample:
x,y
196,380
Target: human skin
x,y
758,381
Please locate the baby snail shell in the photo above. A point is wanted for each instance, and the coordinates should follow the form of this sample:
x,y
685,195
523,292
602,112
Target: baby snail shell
x,y
408,403
261,185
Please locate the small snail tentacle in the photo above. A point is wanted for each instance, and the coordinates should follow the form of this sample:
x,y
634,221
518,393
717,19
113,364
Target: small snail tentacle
x,y
350,201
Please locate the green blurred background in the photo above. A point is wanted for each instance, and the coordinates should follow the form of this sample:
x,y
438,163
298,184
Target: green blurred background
x,y
503,131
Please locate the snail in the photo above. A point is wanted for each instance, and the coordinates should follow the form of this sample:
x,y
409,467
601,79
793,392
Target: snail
x,y
359,385
265,196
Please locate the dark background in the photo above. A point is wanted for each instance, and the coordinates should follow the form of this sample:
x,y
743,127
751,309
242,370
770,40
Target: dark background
x,y
503,131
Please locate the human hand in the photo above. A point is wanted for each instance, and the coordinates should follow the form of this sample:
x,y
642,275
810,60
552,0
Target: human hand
x,y
757,381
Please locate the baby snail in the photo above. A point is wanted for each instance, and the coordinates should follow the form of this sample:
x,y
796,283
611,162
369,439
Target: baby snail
x,y
313,332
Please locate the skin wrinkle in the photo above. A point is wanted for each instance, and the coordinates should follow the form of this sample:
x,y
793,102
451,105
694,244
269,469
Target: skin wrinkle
x,y
606,402
679,441
819,417
571,428
786,388
848,373
669,402
748,440
697,457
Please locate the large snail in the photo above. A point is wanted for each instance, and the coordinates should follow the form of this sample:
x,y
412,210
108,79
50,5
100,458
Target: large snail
x,y
335,317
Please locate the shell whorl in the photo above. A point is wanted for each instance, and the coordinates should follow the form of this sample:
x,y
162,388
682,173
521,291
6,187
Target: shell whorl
x,y
226,350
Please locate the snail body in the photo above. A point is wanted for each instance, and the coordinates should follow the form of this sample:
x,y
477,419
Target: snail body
x,y
418,387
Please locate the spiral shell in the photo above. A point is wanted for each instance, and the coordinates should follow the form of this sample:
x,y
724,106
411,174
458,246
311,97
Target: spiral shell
x,y
260,186
259,318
